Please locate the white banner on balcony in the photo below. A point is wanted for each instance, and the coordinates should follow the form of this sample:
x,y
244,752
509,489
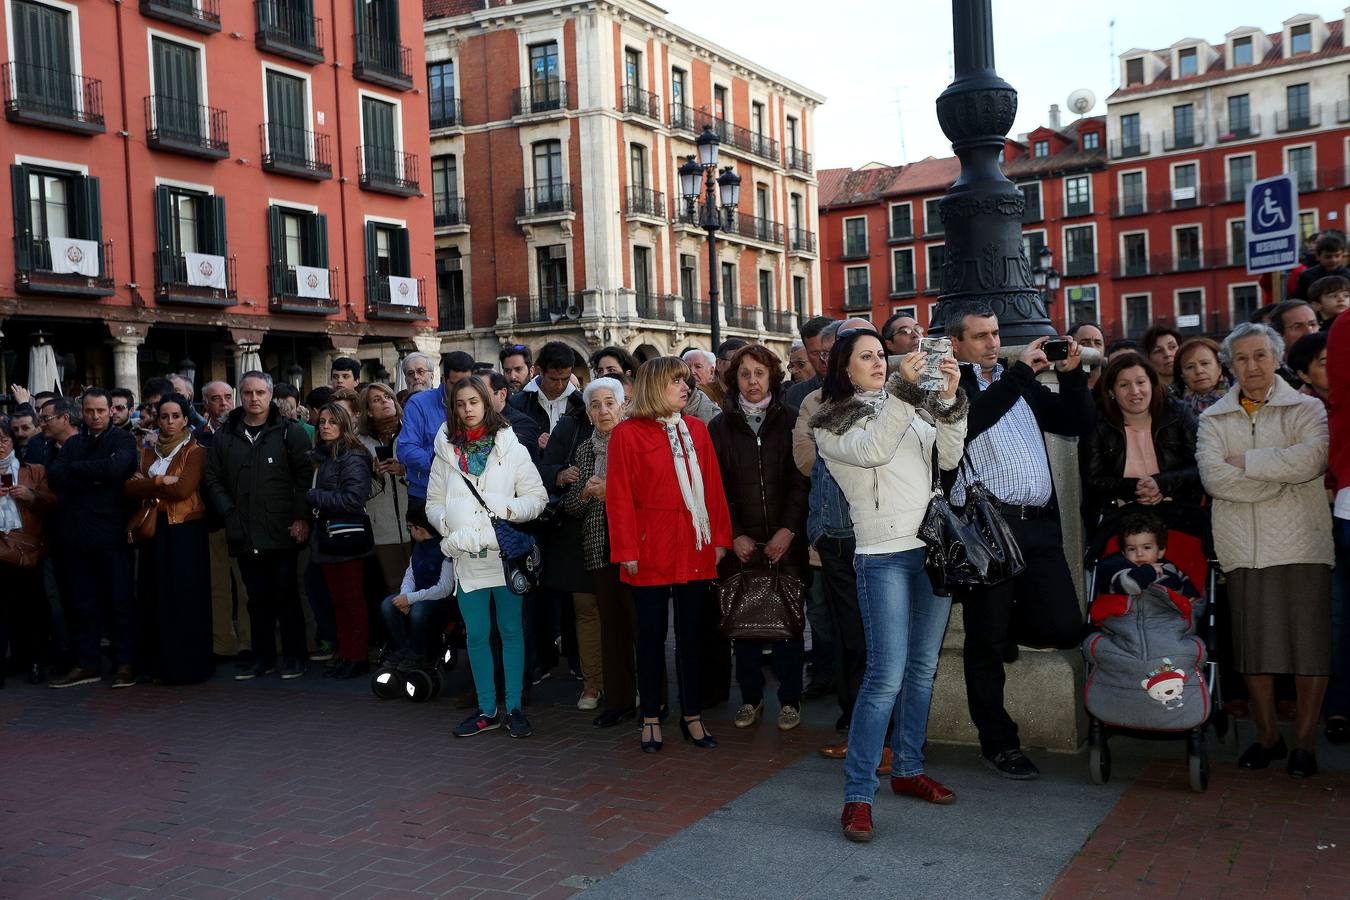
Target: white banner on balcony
x,y
205,270
402,290
312,282
71,256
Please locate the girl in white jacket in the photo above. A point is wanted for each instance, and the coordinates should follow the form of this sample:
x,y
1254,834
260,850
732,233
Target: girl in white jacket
x,y
478,446
877,438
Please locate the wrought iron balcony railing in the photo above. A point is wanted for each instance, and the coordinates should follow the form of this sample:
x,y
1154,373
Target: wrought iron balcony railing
x,y
284,293
449,211
799,160
645,202
381,303
290,29
36,272
199,15
801,241
37,95
295,151
388,171
173,284
554,198
382,62
446,112
548,308
183,127
633,100
541,97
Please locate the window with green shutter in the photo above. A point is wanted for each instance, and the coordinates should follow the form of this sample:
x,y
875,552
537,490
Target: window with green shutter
x,y
52,203
42,71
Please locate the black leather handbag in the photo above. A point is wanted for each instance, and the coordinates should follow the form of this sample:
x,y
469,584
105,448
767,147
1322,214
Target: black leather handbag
x,y
347,535
971,547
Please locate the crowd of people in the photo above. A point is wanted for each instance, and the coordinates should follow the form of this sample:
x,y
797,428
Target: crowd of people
x,y
155,541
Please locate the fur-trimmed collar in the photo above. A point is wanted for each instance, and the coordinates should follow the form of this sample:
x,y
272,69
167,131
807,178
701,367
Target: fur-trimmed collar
x,y
838,417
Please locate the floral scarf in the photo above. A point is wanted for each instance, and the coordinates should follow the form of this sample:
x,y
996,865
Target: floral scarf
x,y
474,446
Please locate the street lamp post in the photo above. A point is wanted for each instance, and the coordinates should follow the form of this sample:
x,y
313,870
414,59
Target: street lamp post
x,y
1046,278
982,212
721,194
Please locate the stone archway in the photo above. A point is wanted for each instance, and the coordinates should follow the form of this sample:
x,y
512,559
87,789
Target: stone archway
x,y
644,352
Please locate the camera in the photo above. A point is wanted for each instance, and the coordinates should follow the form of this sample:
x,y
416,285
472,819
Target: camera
x,y
1056,349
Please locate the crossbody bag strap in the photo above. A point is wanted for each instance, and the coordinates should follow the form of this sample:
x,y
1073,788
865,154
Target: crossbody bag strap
x,y
477,496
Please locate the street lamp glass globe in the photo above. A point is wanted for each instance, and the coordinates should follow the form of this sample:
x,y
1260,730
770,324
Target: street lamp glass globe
x,y
1038,277
691,178
729,188
1052,280
707,147
1046,256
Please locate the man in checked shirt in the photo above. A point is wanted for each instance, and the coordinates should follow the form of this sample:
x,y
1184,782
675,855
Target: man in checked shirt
x,y
1009,409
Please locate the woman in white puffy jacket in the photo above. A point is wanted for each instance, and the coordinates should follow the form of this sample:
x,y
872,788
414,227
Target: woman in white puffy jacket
x,y
478,447
877,437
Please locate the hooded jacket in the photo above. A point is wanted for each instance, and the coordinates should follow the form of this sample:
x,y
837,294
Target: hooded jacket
x,y
882,461
509,485
258,487
544,412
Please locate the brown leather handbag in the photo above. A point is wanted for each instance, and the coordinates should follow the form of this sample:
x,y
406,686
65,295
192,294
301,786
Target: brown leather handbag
x,y
763,604
19,549
141,525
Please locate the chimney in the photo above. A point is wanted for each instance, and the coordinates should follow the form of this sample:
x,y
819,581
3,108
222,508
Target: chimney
x,y
1054,116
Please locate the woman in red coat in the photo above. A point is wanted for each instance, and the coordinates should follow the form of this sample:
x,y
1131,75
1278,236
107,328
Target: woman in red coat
x,y
668,530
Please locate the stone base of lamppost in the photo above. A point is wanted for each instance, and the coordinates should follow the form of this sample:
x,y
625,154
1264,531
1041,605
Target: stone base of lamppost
x,y
1044,688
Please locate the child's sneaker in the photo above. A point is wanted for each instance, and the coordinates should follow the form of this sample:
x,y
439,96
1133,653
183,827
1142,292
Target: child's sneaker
x,y
517,725
477,724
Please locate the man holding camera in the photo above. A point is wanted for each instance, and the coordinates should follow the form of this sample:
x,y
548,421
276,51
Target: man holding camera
x,y
1005,449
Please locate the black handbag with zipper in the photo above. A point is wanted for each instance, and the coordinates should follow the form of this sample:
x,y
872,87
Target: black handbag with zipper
x,y
970,547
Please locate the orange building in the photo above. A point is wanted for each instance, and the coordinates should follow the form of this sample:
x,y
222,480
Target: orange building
x,y
194,182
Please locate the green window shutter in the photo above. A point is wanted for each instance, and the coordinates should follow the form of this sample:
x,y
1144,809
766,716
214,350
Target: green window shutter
x,y
372,267
401,263
276,239
318,247
88,209
214,220
23,224
164,234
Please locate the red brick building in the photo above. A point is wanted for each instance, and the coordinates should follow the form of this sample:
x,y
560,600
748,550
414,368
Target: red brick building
x,y
203,180
557,132
1142,207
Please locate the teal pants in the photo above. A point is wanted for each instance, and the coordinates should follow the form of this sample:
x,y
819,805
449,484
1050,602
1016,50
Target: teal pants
x,y
476,607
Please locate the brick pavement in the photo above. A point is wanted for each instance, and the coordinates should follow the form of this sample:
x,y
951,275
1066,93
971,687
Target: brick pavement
x,y
1252,834
311,789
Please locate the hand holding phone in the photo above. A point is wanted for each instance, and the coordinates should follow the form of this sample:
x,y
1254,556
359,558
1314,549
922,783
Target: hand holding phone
x,y
935,350
1056,349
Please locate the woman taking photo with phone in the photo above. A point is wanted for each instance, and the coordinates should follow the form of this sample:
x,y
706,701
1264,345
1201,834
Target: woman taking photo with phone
x,y
668,534
877,437
479,463
381,420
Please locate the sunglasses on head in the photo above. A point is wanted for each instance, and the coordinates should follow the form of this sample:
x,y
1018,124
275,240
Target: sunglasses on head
x,y
850,332
517,348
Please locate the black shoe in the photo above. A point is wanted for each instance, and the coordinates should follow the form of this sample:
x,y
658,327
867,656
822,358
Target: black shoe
x,y
654,745
817,689
1012,764
292,668
256,670
1302,763
707,742
1258,755
477,724
611,717
540,675
517,725
1337,731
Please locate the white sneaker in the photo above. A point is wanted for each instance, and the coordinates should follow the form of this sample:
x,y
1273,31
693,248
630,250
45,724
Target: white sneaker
x,y
589,700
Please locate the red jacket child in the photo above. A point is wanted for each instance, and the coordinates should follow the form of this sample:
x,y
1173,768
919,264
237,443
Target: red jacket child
x,y
648,519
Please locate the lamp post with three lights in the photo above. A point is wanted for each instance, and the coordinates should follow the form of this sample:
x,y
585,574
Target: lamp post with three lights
x,y
720,196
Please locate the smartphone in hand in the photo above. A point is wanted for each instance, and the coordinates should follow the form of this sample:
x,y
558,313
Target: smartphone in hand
x,y
1056,349
935,350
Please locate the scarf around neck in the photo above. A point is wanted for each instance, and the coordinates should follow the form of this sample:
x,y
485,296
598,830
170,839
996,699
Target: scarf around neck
x,y
874,399
166,447
475,445
10,517
385,429
600,444
689,475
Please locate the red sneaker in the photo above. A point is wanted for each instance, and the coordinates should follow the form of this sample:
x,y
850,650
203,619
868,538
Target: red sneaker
x,y
923,787
857,821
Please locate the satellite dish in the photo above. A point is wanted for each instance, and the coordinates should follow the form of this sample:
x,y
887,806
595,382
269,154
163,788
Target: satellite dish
x,y
1082,100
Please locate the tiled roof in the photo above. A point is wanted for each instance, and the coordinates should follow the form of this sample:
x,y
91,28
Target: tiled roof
x,y
1067,159
926,176
853,186
1334,45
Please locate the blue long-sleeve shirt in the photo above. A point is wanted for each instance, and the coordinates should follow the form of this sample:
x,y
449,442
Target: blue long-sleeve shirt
x,y
423,418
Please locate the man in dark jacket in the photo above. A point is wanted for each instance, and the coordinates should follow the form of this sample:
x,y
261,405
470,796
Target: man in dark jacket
x,y
257,474
1009,410
91,532
545,398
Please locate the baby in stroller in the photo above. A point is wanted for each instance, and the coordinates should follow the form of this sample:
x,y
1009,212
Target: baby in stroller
x,y
1145,661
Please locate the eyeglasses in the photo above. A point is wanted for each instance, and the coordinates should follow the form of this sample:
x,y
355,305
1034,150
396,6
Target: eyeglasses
x,y
908,331
417,371
44,420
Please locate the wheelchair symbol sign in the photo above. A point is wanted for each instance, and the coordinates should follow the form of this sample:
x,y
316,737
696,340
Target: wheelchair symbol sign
x,y
1272,206
1272,224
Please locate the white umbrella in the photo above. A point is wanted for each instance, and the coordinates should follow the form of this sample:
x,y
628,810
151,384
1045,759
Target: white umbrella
x,y
400,380
249,361
42,372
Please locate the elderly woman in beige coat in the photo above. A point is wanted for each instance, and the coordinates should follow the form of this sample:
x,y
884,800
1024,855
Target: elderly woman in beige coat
x,y
1262,452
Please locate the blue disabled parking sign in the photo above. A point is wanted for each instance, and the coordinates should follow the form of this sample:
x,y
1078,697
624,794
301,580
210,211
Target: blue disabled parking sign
x,y
1272,225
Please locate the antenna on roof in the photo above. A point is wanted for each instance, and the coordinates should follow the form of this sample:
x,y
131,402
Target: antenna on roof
x,y
1115,69
900,122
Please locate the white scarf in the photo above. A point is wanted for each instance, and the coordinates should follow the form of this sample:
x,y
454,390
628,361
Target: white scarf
x,y
689,475
874,399
10,517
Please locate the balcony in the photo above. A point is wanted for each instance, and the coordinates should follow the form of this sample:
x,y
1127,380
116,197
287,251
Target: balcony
x,y
547,201
695,311
51,98
799,160
634,101
755,228
548,308
1138,145
1298,119
449,212
1137,265
177,126
857,296
284,294
903,286
199,15
543,98
801,241
1181,140
288,29
388,171
645,203
899,235
778,321
1129,205
288,150
446,112
733,137
1238,129
854,250
381,304
1078,208
1307,179
742,317
1083,265
682,118
382,62
652,306
35,271
173,285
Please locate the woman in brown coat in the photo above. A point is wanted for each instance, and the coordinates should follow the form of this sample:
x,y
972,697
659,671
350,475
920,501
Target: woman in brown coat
x,y
23,498
174,568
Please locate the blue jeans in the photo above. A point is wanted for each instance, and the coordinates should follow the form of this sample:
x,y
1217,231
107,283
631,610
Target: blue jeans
x,y
903,623
416,628
1338,691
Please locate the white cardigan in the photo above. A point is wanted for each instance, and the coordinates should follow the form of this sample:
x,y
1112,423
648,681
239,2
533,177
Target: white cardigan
x,y
510,485
883,461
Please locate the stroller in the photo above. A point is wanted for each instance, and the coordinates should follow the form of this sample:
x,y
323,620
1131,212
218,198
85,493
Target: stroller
x,y
1151,671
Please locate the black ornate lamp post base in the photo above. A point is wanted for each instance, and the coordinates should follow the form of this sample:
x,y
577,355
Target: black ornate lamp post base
x,y
982,212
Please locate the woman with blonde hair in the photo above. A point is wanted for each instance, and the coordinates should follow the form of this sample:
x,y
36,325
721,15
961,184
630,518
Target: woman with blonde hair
x,y
667,534
381,419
